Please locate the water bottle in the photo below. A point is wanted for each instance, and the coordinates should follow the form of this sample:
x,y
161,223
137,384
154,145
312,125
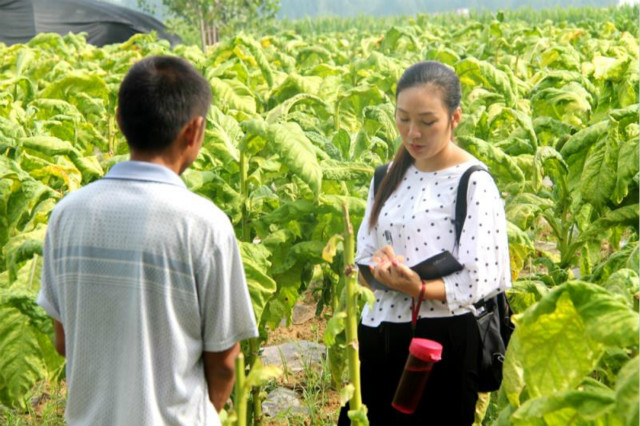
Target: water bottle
x,y
423,353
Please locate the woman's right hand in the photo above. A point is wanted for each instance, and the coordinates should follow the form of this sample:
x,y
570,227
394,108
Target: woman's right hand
x,y
386,254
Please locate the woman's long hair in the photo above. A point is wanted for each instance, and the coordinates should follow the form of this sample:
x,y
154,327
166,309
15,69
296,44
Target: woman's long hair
x,y
422,73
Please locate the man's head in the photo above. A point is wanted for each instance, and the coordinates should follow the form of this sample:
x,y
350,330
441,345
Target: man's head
x,y
161,99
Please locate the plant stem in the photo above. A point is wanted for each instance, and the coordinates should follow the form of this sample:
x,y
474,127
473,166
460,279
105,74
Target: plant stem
x,y
32,273
240,400
243,193
254,346
255,391
351,327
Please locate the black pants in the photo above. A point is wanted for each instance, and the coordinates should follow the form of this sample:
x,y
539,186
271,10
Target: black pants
x,y
450,395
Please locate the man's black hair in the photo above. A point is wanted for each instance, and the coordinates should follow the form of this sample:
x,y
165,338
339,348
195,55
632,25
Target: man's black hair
x,y
157,97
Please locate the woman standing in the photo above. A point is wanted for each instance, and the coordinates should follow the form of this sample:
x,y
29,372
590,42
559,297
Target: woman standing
x,y
411,219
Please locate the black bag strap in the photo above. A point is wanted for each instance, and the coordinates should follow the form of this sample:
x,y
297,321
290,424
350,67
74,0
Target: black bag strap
x,y
499,301
378,175
461,216
461,199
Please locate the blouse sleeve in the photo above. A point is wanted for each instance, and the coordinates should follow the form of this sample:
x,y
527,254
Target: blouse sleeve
x,y
483,248
366,242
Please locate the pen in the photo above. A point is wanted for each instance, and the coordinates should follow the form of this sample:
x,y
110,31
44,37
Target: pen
x,y
387,237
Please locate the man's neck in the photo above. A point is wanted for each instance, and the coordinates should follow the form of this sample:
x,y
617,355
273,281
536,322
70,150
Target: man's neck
x,y
163,159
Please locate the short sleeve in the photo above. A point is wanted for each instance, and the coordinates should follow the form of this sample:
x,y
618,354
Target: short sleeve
x,y
226,309
483,248
366,238
48,296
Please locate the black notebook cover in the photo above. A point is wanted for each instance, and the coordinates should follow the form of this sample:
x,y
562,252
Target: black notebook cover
x,y
434,267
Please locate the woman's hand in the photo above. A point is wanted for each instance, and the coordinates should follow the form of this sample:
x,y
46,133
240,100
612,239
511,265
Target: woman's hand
x,y
397,276
386,254
391,271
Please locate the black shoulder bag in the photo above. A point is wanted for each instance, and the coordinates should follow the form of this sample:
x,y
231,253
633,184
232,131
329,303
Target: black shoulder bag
x,y
493,314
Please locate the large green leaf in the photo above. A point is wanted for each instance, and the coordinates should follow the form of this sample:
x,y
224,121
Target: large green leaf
x,y
257,52
624,282
598,179
503,120
379,120
75,83
335,326
255,258
627,257
280,112
549,162
48,145
309,56
560,339
355,205
575,150
571,406
296,84
549,130
571,103
27,350
230,95
352,102
473,72
627,390
525,293
309,252
378,69
260,374
523,209
391,40
223,135
520,248
22,247
345,171
502,167
290,211
550,354
627,168
627,216
296,151
48,108
584,139
564,57
89,166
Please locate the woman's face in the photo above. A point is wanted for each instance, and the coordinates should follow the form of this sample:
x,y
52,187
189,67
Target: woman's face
x,y
424,123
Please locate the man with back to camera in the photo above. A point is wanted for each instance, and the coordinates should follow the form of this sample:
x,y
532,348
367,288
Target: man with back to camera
x,y
143,278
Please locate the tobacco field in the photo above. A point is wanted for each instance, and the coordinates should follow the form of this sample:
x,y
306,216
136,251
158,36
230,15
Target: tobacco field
x,y
298,123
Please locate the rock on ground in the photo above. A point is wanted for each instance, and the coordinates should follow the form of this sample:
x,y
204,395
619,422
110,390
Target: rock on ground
x,y
296,355
281,400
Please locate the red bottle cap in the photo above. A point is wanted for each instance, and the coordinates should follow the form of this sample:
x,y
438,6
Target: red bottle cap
x,y
425,349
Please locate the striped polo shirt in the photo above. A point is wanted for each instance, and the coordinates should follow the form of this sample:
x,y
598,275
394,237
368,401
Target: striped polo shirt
x,y
145,276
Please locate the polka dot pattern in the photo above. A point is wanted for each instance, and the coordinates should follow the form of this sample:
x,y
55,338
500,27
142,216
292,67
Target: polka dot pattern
x,y
419,227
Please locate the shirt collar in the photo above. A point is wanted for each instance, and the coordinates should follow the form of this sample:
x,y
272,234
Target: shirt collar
x,y
144,171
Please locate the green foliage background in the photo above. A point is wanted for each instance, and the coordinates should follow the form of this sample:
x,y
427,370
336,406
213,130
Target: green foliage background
x,y
297,124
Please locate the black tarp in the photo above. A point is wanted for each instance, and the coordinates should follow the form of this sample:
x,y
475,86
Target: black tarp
x,y
104,23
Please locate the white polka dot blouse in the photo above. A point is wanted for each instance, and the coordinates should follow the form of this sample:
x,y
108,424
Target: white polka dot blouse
x,y
418,220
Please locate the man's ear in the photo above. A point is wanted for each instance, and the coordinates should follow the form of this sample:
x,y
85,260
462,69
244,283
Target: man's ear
x,y
193,130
